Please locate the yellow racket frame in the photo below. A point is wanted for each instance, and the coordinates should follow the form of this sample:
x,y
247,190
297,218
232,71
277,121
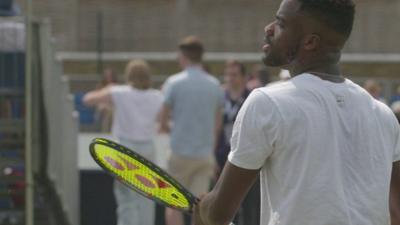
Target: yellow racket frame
x,y
141,175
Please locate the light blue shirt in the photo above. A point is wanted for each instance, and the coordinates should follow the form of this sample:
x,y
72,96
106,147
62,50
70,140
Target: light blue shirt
x,y
194,97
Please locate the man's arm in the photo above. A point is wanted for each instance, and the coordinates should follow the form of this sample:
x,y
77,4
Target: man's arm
x,y
164,118
96,97
395,194
221,204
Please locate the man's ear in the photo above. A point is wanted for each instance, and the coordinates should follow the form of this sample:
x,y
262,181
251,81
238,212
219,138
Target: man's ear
x,y
311,42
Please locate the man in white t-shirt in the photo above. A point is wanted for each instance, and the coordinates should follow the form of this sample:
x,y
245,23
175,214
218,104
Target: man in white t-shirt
x,y
327,152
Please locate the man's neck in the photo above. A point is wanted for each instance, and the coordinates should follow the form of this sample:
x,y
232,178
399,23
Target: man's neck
x,y
328,73
192,65
326,67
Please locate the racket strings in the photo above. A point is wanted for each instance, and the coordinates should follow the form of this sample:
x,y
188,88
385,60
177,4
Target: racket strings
x,y
140,176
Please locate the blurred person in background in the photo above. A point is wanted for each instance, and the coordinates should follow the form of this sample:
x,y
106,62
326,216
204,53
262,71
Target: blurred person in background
x,y
104,112
235,93
396,96
136,107
374,88
396,109
259,77
109,78
193,102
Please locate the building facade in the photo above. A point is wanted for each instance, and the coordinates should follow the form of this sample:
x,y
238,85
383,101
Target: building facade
x,y
224,25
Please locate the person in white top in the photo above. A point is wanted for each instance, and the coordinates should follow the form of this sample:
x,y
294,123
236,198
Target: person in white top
x,y
136,107
327,152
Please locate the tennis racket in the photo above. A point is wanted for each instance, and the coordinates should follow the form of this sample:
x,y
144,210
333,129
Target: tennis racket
x,y
141,175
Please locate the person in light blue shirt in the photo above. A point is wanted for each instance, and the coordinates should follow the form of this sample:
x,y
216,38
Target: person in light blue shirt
x,y
193,104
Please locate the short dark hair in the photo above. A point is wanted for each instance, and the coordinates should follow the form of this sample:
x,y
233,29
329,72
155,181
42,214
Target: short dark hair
x,y
336,14
238,64
192,48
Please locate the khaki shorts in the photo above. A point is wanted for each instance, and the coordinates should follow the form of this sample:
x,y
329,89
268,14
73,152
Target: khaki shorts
x,y
193,174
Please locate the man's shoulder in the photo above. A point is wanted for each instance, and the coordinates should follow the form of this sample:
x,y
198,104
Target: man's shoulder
x,y
278,96
384,111
278,89
176,78
212,79
205,77
376,104
259,97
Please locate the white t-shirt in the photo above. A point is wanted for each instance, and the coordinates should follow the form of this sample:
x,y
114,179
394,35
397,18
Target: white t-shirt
x,y
325,151
135,112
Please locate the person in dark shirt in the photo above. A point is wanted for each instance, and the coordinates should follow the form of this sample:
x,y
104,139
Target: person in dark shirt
x,y
235,92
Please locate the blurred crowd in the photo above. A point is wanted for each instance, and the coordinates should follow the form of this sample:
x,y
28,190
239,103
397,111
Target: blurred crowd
x,y
194,108
197,111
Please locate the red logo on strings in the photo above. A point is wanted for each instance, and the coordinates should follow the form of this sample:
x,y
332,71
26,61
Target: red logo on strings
x,y
160,183
114,163
128,164
146,182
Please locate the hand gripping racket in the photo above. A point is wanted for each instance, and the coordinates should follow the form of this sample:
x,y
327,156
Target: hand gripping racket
x,y
141,175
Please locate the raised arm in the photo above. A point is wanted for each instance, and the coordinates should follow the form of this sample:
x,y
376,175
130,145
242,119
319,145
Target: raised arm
x,y
96,97
395,194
